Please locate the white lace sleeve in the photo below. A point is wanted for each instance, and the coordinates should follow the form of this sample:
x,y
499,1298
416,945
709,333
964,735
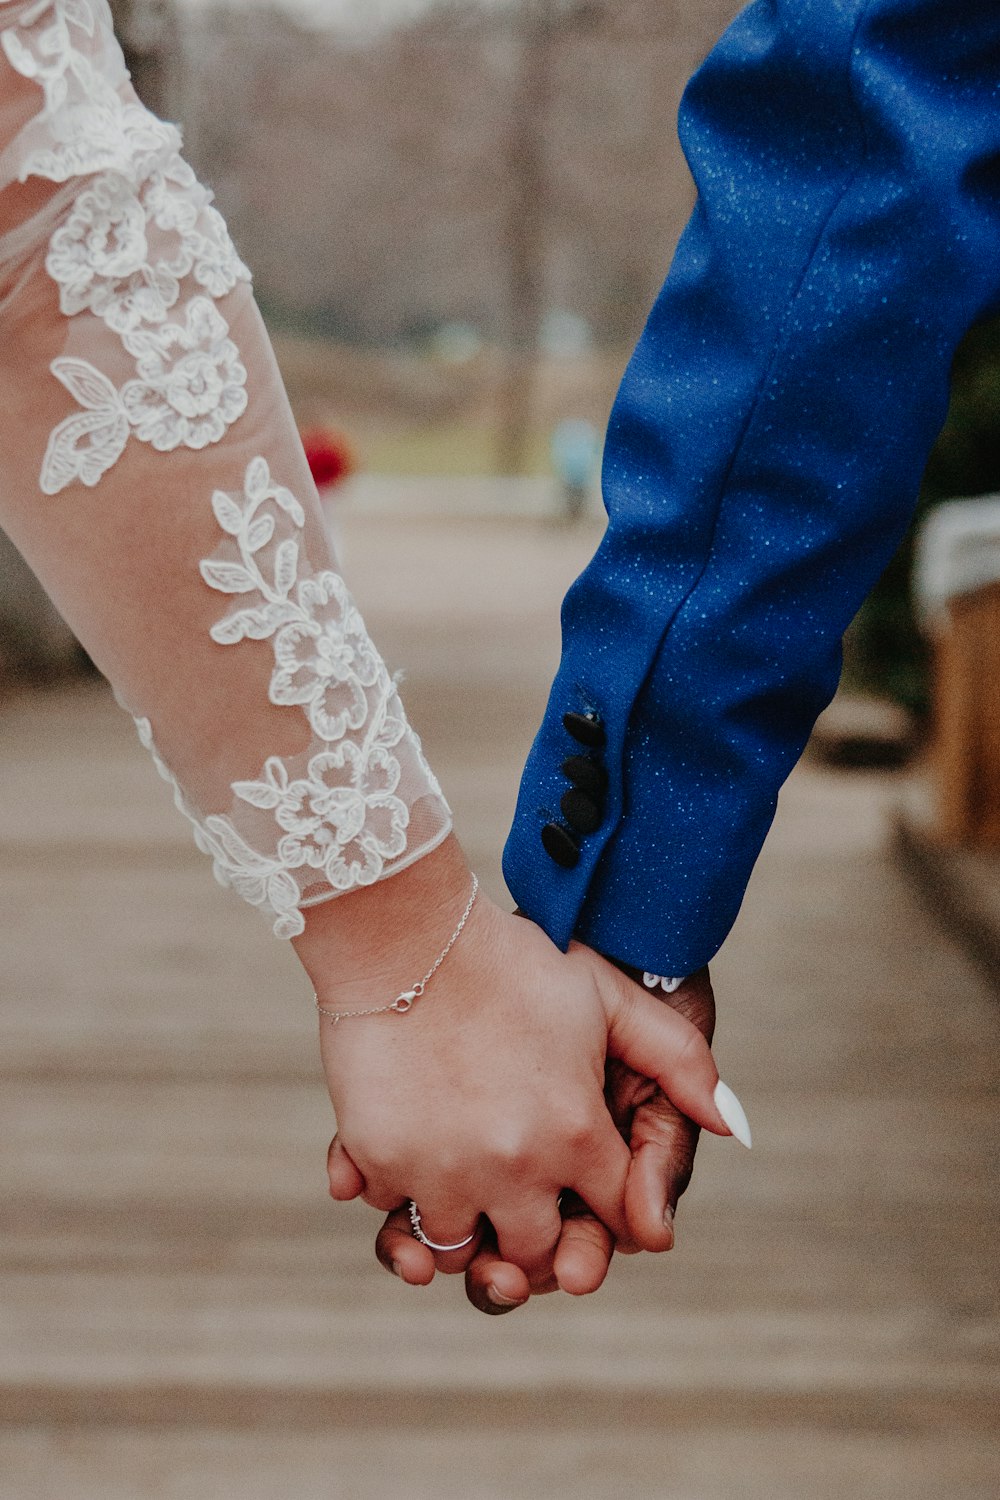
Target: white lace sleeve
x,y
152,474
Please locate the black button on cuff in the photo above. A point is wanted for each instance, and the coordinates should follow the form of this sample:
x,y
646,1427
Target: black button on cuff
x,y
581,812
586,729
560,845
589,775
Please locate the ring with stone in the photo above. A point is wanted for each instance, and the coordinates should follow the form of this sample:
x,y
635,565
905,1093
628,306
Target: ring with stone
x,y
417,1230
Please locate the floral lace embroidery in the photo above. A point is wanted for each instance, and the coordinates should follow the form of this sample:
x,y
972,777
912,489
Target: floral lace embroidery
x,y
190,383
190,388
325,664
101,259
339,816
336,812
88,126
343,817
261,881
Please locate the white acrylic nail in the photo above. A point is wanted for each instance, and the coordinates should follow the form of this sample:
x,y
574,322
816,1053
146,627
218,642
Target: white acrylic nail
x,y
733,1113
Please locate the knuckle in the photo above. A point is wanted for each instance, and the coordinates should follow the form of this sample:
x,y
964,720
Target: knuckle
x,y
385,1153
660,1123
698,1009
380,1160
578,1132
590,1233
574,1118
510,1149
628,1003
450,1167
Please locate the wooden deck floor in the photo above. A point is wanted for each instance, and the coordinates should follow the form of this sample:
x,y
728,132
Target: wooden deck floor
x,y
186,1316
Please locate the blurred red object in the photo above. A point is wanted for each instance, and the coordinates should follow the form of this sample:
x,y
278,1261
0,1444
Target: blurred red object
x,y
330,456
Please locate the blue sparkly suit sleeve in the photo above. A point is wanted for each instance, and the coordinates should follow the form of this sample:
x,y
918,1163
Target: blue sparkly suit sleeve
x,y
765,450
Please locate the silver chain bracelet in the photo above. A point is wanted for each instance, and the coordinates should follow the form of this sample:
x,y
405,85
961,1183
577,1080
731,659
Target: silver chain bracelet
x,y
404,1001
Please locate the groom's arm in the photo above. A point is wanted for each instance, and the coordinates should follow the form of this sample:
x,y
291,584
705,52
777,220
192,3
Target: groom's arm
x,y
763,455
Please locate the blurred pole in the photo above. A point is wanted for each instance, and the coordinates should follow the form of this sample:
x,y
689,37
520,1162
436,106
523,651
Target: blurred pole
x,y
149,36
525,233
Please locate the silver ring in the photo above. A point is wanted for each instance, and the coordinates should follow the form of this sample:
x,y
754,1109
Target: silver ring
x,y
416,1229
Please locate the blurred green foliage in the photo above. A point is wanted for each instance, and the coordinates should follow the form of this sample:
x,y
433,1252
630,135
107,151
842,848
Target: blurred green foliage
x,y
884,652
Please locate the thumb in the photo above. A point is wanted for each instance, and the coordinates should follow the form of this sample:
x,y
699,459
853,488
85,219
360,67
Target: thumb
x,y
659,1043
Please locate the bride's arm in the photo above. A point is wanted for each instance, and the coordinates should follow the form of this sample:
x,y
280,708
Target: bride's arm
x,y
155,481
154,478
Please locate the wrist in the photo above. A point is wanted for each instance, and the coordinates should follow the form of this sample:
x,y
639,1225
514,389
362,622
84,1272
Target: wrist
x,y
385,935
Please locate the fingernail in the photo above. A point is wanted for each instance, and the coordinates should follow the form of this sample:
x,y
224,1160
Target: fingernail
x,y
499,1300
667,1224
733,1113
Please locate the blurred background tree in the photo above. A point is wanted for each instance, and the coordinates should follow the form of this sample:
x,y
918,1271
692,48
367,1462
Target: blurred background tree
x,y
149,32
458,215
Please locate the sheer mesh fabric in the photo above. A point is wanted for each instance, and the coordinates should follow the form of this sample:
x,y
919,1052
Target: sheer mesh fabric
x,y
153,477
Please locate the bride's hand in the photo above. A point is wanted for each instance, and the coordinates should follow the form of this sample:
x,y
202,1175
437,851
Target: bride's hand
x,y
487,1097
662,1141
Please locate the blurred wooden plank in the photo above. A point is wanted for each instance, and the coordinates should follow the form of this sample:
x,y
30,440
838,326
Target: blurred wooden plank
x,y
705,1454
172,1265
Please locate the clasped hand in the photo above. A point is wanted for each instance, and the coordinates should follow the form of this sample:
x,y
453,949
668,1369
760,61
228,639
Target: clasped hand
x,y
486,1105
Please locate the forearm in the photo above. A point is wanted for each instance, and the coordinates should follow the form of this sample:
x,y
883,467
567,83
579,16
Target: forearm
x,y
371,944
766,447
158,487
